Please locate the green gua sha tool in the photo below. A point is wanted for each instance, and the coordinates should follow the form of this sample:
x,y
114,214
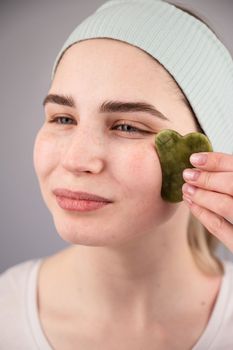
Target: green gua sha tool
x,y
174,151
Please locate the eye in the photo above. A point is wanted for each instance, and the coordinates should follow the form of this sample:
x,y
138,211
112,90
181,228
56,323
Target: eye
x,y
62,120
130,129
127,128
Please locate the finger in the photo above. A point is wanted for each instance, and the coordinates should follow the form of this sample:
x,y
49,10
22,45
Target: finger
x,y
220,204
213,181
212,161
215,224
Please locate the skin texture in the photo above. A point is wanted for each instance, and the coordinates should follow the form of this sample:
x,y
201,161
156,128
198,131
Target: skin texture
x,y
174,152
129,262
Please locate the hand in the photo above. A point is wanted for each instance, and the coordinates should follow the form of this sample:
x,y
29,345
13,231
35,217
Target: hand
x,y
210,197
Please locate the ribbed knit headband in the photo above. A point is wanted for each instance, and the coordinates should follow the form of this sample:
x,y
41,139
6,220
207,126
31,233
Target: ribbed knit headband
x,y
186,47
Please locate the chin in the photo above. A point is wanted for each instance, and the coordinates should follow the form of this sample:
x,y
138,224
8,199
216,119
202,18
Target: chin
x,y
82,235
88,236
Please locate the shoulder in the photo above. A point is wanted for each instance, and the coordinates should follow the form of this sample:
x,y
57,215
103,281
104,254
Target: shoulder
x,y
14,278
228,272
225,306
13,284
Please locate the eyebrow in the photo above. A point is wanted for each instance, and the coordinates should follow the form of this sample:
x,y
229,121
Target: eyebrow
x,y
108,106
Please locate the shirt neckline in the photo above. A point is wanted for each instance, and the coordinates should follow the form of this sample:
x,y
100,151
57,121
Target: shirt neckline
x,y
204,342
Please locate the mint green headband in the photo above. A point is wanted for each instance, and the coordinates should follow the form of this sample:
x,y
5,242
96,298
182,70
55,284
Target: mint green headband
x,y
186,47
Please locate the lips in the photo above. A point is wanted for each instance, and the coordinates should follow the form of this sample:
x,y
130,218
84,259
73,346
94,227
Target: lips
x,y
62,192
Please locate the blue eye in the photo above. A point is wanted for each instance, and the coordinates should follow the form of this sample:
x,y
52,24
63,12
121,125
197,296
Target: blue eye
x,y
55,120
130,129
127,128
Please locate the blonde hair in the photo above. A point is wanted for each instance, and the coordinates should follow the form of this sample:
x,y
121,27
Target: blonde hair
x,y
202,243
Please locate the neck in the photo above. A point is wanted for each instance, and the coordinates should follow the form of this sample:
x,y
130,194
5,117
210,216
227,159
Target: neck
x,y
153,275
148,281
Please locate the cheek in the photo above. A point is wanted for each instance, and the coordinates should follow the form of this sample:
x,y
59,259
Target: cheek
x,y
142,178
45,153
141,168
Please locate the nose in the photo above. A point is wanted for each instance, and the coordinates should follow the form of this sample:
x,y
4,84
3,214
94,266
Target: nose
x,y
84,151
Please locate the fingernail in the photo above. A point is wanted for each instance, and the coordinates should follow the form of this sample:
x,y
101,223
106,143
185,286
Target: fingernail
x,y
191,174
198,159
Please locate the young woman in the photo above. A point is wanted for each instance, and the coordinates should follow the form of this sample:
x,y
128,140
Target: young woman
x,y
140,272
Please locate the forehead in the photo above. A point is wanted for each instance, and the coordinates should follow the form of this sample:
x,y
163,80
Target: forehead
x,y
112,61
95,70
108,69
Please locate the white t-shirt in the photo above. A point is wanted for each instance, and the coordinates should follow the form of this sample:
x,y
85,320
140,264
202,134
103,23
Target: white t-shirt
x,y
20,327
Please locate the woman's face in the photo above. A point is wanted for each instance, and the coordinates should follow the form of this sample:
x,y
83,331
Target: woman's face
x,y
93,152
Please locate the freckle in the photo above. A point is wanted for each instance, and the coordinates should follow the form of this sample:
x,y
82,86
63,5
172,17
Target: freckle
x,y
203,303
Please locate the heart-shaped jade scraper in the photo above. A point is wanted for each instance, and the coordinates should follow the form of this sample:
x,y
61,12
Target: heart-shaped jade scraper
x,y
174,151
